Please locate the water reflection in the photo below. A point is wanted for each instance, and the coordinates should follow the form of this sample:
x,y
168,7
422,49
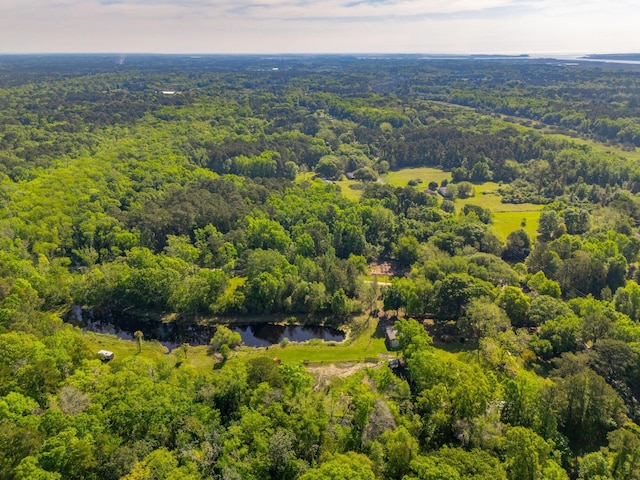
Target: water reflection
x,y
172,335
265,334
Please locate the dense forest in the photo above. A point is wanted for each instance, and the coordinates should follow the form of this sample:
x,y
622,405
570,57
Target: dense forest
x,y
217,190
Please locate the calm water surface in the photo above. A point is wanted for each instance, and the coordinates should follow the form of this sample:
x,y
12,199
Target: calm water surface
x,y
172,335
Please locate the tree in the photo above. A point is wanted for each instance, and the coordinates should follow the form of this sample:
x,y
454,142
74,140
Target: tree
x,y
138,335
454,292
549,225
518,246
365,174
627,300
625,446
544,286
225,336
526,454
576,220
412,337
587,407
544,307
290,170
342,467
594,466
480,172
516,305
406,250
400,449
263,369
428,468
465,189
328,167
340,305
483,319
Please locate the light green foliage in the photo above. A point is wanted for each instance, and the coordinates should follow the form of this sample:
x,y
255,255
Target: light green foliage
x,y
627,300
516,305
225,336
474,465
342,467
28,469
267,234
594,466
544,286
427,468
526,454
412,337
400,449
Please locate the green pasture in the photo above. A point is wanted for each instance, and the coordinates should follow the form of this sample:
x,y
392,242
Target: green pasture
x,y
349,192
507,217
506,222
400,178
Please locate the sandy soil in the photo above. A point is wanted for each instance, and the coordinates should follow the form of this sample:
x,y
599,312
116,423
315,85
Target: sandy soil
x,y
324,373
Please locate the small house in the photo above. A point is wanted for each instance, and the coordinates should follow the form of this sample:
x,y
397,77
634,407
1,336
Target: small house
x,y
350,175
391,337
444,191
106,355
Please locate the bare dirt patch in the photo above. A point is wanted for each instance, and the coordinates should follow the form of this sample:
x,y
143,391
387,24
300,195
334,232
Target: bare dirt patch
x,y
325,373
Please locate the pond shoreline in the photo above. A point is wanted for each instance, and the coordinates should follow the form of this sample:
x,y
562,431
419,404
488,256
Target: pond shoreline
x,y
256,331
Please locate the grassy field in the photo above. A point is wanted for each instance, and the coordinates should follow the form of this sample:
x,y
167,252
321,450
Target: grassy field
x,y
347,191
365,342
124,348
597,146
507,217
400,178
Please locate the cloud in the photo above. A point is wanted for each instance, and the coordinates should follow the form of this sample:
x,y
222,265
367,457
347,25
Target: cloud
x,y
276,9
256,26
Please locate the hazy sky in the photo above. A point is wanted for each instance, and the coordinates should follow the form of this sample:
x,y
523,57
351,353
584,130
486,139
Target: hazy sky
x,y
309,26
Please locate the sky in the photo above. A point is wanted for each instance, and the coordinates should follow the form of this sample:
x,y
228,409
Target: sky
x,y
329,26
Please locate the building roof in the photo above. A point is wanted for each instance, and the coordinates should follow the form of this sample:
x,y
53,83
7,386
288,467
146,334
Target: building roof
x,y
106,354
391,333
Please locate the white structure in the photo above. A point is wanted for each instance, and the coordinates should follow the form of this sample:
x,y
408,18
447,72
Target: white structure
x,y
106,355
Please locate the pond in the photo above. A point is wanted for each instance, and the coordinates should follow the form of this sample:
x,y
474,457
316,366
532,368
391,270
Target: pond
x,y
172,335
